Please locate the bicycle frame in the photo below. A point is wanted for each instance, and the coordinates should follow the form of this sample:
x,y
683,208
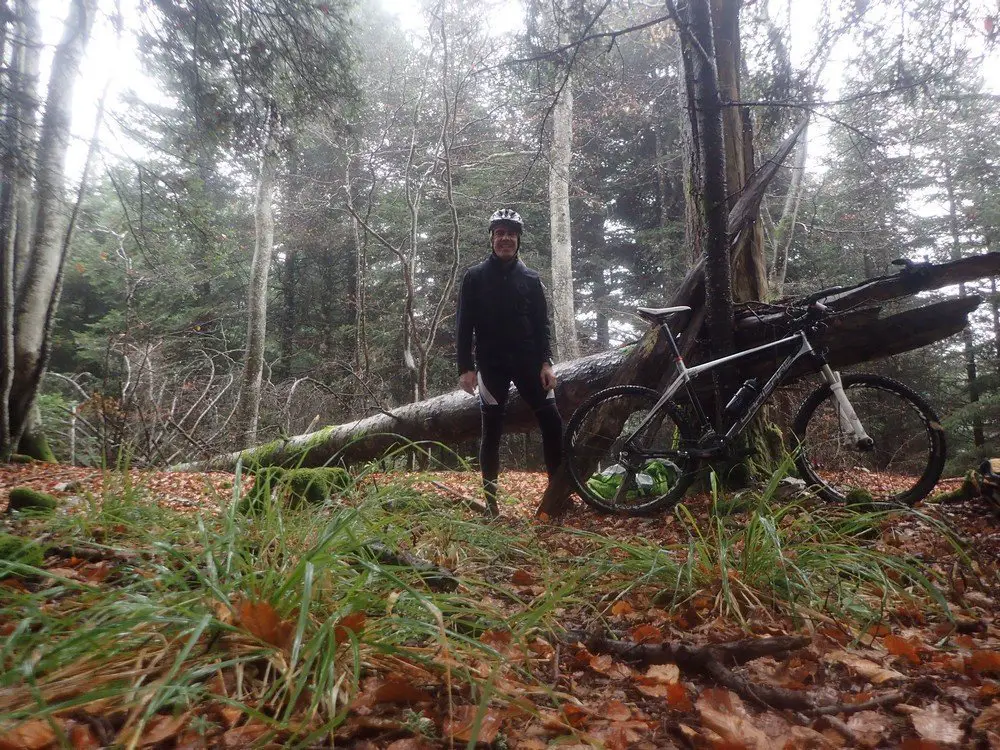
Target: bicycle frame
x,y
849,422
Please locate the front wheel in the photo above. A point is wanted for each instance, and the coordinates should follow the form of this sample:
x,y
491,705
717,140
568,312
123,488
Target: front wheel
x,y
901,466
635,477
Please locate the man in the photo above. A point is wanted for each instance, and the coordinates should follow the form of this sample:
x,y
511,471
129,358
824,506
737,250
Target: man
x,y
502,305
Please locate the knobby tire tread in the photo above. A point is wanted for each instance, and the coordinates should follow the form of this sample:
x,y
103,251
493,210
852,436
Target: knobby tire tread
x,y
936,459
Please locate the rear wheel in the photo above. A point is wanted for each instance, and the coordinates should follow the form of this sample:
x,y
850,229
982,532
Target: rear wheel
x,y
901,466
649,474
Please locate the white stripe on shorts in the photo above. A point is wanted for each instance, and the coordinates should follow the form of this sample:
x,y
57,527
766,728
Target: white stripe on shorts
x,y
484,395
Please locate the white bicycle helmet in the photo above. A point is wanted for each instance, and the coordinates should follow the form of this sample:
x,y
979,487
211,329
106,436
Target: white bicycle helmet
x,y
507,217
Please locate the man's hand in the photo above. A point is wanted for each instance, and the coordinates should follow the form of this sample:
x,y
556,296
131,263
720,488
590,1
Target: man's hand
x,y
548,377
467,381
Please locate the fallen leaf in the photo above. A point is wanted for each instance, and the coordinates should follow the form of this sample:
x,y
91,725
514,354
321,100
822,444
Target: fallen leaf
x,y
244,736
984,662
620,608
399,690
608,666
541,647
462,723
874,673
352,623
522,578
988,720
31,735
664,673
576,716
613,738
614,710
161,728
647,634
915,743
190,740
869,727
498,640
228,715
938,723
898,646
678,698
96,572
262,621
410,743
655,690
70,573
723,713
82,737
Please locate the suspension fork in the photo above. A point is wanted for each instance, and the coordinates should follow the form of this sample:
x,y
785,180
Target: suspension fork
x,y
850,425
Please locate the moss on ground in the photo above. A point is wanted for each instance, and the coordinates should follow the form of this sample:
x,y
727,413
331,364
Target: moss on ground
x,y
34,443
25,498
294,487
16,549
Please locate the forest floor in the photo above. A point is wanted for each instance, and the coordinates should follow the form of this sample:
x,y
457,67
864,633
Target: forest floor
x,y
847,628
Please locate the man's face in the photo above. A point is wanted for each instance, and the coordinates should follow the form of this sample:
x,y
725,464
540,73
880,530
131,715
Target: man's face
x,y
504,240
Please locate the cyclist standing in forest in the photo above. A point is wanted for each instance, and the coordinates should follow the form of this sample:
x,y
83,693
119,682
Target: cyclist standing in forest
x,y
502,305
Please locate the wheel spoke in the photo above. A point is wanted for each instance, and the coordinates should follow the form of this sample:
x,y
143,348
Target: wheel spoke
x,y
641,477
904,460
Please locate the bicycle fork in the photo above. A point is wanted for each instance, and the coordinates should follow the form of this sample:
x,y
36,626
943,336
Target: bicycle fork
x,y
850,425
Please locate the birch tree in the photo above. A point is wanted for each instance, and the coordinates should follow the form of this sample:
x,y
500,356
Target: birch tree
x,y
34,212
560,158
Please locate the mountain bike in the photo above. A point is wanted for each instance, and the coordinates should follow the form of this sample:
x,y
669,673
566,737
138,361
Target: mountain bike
x,y
635,450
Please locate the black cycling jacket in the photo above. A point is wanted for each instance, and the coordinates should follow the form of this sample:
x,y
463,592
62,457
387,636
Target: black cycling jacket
x,y
503,303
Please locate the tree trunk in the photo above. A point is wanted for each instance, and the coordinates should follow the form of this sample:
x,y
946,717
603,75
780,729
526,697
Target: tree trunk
x,y
995,310
248,406
968,344
8,181
784,232
36,297
712,191
566,345
27,114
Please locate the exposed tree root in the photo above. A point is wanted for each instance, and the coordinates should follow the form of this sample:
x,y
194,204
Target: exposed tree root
x,y
714,661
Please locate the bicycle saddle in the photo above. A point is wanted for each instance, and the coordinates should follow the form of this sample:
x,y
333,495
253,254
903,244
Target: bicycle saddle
x,y
659,314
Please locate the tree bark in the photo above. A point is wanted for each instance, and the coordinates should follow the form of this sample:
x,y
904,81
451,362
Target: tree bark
x,y
36,297
564,316
972,384
248,406
784,232
713,199
27,113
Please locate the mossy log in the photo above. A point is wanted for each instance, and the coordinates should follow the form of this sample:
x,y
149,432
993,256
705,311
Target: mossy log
x,y
855,335
25,498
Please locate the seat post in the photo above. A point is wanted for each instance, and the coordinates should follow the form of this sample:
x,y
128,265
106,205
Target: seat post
x,y
673,346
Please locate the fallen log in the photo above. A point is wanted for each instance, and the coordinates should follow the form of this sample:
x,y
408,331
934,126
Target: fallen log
x,y
855,335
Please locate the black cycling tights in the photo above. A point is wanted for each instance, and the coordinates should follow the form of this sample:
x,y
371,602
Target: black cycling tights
x,y
489,448
493,388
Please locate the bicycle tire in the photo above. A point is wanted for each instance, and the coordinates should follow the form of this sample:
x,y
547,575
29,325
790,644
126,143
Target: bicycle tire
x,y
592,451
906,460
